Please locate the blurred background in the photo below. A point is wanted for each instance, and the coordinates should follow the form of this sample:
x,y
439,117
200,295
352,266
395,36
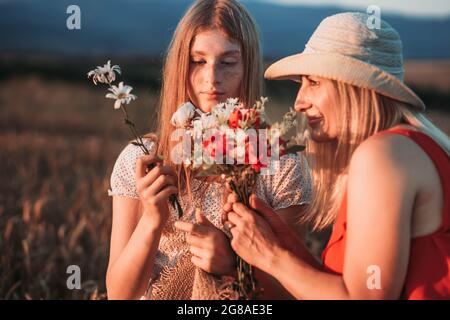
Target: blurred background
x,y
59,136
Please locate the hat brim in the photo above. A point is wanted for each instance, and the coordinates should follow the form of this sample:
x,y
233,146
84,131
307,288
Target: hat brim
x,y
346,69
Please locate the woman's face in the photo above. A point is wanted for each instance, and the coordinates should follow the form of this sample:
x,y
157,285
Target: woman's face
x,y
315,100
216,70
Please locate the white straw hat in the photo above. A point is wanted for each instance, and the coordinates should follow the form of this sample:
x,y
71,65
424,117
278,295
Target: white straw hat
x,y
344,48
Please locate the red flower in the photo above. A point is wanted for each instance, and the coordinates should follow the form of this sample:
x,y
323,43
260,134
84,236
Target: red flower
x,y
257,166
235,117
213,144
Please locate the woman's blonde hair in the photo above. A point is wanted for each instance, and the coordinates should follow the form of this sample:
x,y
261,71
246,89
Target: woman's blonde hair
x,y
362,113
231,18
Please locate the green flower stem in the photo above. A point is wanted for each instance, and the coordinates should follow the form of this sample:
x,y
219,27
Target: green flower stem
x,y
246,282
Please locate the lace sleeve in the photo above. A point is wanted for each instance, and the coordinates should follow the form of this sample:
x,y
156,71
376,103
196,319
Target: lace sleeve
x,y
288,185
123,179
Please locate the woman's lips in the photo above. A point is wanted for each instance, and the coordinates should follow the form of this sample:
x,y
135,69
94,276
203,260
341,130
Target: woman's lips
x,y
314,120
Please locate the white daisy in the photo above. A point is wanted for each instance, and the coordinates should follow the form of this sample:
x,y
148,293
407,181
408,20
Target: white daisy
x,y
105,74
121,94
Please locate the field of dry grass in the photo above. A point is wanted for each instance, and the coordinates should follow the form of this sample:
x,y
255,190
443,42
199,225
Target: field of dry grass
x,y
58,144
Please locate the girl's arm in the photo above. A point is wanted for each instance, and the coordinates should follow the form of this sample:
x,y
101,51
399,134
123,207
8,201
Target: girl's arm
x,y
136,233
134,243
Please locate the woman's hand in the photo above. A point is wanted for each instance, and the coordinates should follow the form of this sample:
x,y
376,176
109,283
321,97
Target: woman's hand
x,y
253,238
154,188
286,236
210,247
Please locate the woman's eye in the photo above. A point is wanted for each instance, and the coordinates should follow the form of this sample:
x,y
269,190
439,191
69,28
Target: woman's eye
x,y
313,83
229,63
198,61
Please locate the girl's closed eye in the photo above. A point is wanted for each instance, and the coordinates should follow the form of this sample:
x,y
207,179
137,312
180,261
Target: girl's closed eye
x,y
198,61
229,62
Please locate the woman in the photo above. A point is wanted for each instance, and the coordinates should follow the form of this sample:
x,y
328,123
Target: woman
x,y
214,55
381,175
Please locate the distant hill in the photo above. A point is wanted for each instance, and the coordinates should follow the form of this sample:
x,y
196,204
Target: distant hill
x,y
124,27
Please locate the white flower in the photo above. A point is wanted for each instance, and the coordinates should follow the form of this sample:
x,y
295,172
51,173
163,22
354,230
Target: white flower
x,y
183,116
209,121
105,74
222,111
232,101
121,94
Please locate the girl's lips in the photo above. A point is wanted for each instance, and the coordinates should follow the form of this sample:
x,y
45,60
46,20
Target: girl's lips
x,y
213,95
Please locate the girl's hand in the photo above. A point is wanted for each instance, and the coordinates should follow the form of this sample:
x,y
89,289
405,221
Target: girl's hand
x,y
154,188
210,247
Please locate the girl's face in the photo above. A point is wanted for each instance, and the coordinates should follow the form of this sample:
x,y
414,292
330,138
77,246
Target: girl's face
x,y
315,99
216,70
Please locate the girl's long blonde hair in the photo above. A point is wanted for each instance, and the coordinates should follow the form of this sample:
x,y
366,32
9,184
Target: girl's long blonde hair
x,y
228,16
362,113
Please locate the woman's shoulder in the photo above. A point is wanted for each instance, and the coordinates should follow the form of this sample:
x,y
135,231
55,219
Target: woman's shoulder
x,y
394,149
389,157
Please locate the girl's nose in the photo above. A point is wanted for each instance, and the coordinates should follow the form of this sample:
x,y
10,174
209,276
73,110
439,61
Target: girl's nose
x,y
212,74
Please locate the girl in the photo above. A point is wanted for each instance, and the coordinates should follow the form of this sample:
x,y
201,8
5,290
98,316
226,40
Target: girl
x,y
381,175
214,54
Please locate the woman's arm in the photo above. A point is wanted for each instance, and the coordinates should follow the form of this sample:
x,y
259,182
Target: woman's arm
x,y
273,289
381,194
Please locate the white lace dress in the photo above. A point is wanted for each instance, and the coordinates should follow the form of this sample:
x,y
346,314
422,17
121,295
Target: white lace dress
x,y
289,186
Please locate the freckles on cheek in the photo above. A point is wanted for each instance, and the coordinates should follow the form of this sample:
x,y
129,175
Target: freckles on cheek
x,y
234,80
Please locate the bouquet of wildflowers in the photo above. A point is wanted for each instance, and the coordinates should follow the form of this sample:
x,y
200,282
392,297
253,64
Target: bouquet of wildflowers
x,y
234,143
122,94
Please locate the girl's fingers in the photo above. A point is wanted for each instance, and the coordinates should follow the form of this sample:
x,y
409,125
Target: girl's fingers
x,y
198,262
151,176
142,162
160,183
194,240
234,218
242,210
191,228
227,207
165,193
232,198
198,252
224,217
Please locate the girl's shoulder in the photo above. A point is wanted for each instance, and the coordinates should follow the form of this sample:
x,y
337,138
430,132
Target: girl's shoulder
x,y
122,179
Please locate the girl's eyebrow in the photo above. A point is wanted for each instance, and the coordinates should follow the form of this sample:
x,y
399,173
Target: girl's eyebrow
x,y
225,53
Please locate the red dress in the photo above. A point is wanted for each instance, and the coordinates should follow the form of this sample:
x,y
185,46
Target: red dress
x,y
428,275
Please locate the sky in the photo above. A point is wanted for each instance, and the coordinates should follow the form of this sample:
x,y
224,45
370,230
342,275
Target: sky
x,y
424,8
